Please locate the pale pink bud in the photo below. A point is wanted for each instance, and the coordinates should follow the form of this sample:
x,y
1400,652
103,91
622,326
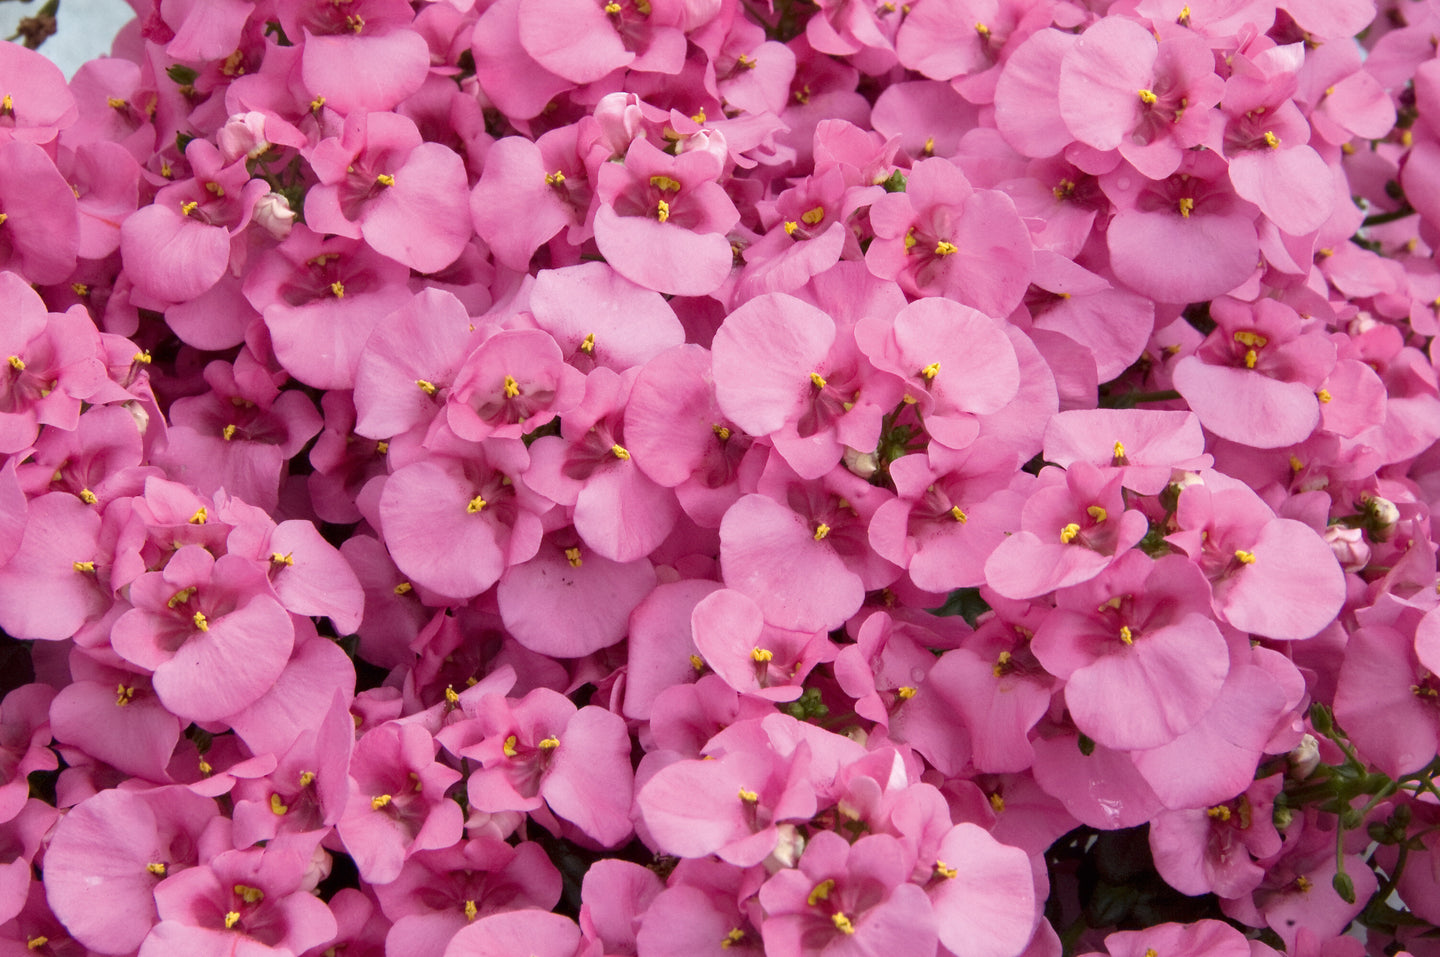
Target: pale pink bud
x,y
1349,545
243,135
788,849
274,215
1305,758
621,121
863,464
707,141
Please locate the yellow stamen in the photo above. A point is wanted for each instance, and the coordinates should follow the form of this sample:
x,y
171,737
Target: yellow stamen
x,y
959,515
910,239
1296,465
1097,513
572,555
943,248
818,380
470,911
201,621
721,432
1251,357
1002,664
205,767
930,372
1324,396
17,363
1187,206
697,662
379,801
512,388
231,919
385,179
905,692
820,892
316,104
1068,533
982,29
812,216
156,867
1304,884
1219,812
1253,340
749,797
946,871
1271,140
744,62
821,531
1126,635
549,743
790,227
404,588
35,943
1244,557
475,504
337,289
733,937
1119,454
555,178
1184,18
842,923
612,8
509,748
698,118
80,289
123,695
277,807
187,208
87,568
228,432
1147,97
929,148
620,452
307,778
761,654
181,597
587,346
277,559
997,802
426,386
382,447
665,184
88,497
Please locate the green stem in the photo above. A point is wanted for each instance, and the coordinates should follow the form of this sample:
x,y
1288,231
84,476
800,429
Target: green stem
x,y
1379,219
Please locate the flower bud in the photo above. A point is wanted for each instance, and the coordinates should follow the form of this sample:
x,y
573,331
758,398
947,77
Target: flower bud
x,y
1180,480
242,135
1305,758
1381,517
1349,545
707,141
863,464
621,121
788,848
274,215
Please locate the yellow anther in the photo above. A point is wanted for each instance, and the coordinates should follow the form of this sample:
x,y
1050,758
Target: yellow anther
x,y
1126,635
385,179
509,747
820,892
790,226
1184,18
205,767
1296,465
379,801
1219,812
749,797
946,871
1407,138
733,937
35,943
665,184
944,248
697,662
277,559
821,531
1118,454
997,802
1303,884
555,178
316,104
1151,952
355,22
337,289
982,29
156,867
1002,664
818,380
813,216
307,778
612,8
187,208
1068,533
228,432
512,388
17,363
929,148
842,923
404,588
475,504
905,692
572,555
761,655
930,372
215,189
231,919
587,345
87,568
80,289
1324,396
744,62
1147,97
662,210
1097,513
181,597
1251,339
426,386
1271,140
1244,557
1324,252
200,621
1251,357
123,694
620,452
958,514
1348,149
277,806
698,118
910,240
721,432
1187,206
470,912
548,743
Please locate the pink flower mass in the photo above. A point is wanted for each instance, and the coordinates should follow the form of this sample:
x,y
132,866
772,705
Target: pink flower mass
x,y
658,478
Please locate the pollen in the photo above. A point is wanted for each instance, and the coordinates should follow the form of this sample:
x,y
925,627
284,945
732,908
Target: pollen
x,y
958,514
425,386
85,568
1002,664
337,289
587,345
1126,635
123,695
930,372
929,148
404,588
277,559
749,797
905,692
1118,456
187,208
1253,340
200,621
572,555
910,239
1251,357
662,210
665,184
87,496
813,216
1271,140
1068,533
512,388
761,655
842,923
1219,812
733,937
7,105
509,747
1184,18
17,363
228,432
156,867
231,919
316,104
475,504
818,380
277,806
997,803
181,597
821,531
820,892
470,911
982,29
1147,97
790,226
548,743
946,871
379,801
385,179
743,62
721,432
612,8
1303,883
1244,557
697,662
35,943
307,778
1324,396
1296,465
944,248
554,179
1187,206
1097,513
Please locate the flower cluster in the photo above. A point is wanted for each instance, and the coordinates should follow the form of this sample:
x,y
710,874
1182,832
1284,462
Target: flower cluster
x,y
532,478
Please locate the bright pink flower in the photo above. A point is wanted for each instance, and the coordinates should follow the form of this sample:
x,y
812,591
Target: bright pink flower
x,y
521,933
511,384
361,56
732,637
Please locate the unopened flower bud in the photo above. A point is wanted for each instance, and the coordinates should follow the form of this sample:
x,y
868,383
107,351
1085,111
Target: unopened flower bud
x,y
621,121
274,215
1362,323
1180,480
706,141
1381,517
1349,545
242,135
1305,757
863,464
790,844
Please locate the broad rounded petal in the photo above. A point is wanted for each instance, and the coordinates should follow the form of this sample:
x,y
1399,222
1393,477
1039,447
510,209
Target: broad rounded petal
x,y
1100,78
663,256
590,781
1292,186
1027,104
171,257
519,933
572,38
230,664
1247,407
1177,259
763,357
1292,589
429,526
988,909
598,597
372,71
